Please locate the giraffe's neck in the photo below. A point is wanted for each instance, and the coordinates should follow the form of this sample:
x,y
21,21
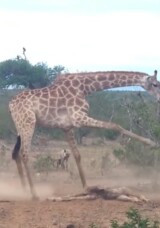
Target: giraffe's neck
x,y
97,81
112,79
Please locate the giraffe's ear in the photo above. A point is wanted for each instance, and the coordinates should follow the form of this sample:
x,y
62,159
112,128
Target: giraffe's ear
x,y
155,74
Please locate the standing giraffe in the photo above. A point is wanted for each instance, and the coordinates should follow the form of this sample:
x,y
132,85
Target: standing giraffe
x,y
63,105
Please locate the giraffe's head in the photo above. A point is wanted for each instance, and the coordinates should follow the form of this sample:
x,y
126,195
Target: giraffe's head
x,y
152,85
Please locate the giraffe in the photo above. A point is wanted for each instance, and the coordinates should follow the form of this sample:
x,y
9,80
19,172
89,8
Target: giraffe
x,y
63,105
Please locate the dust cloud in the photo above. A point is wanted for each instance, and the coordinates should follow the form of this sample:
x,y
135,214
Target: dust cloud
x,y
11,190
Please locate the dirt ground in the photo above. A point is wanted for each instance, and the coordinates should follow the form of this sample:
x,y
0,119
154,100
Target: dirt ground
x,y
17,210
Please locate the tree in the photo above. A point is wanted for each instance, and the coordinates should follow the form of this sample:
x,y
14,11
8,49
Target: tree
x,y
20,72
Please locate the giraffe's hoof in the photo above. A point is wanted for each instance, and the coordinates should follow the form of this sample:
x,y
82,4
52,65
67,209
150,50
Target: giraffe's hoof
x,y
86,188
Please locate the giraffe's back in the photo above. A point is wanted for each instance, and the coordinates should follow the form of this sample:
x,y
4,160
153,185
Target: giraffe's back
x,y
55,106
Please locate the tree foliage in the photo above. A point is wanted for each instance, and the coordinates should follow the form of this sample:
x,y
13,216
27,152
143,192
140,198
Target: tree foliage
x,y
20,72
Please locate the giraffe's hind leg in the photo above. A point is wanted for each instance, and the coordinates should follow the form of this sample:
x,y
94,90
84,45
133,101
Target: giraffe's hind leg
x,y
28,173
87,121
26,133
16,156
20,171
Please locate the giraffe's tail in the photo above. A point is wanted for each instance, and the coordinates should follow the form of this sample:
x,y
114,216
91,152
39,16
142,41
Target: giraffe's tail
x,y
16,148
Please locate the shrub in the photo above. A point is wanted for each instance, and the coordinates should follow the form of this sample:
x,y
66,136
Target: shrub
x,y
94,225
44,163
138,154
135,221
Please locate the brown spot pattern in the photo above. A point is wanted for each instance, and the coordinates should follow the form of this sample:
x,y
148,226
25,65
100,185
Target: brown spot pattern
x,y
61,110
105,84
96,84
61,101
44,111
38,94
64,89
75,82
67,83
53,93
123,77
79,102
52,102
88,81
60,92
43,101
81,87
73,90
101,77
52,110
45,95
111,77
70,102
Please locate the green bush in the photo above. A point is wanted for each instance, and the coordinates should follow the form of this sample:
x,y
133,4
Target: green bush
x,y
44,163
94,225
55,133
135,221
120,154
138,154
106,133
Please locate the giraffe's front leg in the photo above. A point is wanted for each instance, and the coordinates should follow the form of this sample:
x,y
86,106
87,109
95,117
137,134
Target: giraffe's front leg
x,y
71,140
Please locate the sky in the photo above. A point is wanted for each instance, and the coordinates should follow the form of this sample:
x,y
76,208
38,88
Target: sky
x,y
83,35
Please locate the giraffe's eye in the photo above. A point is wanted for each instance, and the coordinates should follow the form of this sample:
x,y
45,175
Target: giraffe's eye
x,y
155,85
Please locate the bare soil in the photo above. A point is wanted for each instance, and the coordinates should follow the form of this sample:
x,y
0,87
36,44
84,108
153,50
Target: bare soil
x,y
17,210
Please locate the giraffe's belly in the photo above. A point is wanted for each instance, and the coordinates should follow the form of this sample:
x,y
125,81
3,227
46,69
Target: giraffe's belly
x,y
61,121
